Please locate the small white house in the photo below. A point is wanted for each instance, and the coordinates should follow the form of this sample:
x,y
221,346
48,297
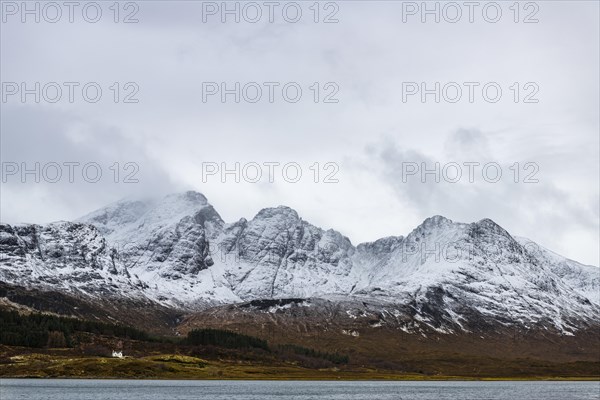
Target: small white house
x,y
117,354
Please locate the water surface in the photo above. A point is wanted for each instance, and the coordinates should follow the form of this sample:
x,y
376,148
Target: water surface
x,y
91,389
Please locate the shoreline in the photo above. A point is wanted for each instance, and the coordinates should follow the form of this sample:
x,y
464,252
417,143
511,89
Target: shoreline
x,y
317,379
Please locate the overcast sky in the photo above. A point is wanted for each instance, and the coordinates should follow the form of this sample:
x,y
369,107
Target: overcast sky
x,y
371,134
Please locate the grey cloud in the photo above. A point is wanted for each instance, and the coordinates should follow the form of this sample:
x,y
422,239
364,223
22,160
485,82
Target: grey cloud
x,y
369,53
541,211
36,135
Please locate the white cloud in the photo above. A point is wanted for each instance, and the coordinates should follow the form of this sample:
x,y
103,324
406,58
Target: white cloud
x,y
369,53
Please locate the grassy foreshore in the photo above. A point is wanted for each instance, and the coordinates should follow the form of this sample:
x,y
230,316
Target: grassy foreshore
x,y
172,366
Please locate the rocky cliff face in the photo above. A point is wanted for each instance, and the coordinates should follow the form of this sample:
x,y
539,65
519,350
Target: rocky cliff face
x,y
277,254
72,257
177,252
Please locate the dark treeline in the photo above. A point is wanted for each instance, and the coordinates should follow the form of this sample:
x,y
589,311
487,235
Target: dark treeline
x,y
41,330
233,340
303,351
224,338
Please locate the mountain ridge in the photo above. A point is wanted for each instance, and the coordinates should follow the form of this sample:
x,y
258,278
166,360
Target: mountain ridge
x,y
178,252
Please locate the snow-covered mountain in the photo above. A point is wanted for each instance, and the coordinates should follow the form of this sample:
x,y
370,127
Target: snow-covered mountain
x,y
178,252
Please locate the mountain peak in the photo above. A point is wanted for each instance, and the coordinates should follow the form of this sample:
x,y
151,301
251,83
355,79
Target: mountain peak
x,y
190,195
436,220
433,223
283,211
486,224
